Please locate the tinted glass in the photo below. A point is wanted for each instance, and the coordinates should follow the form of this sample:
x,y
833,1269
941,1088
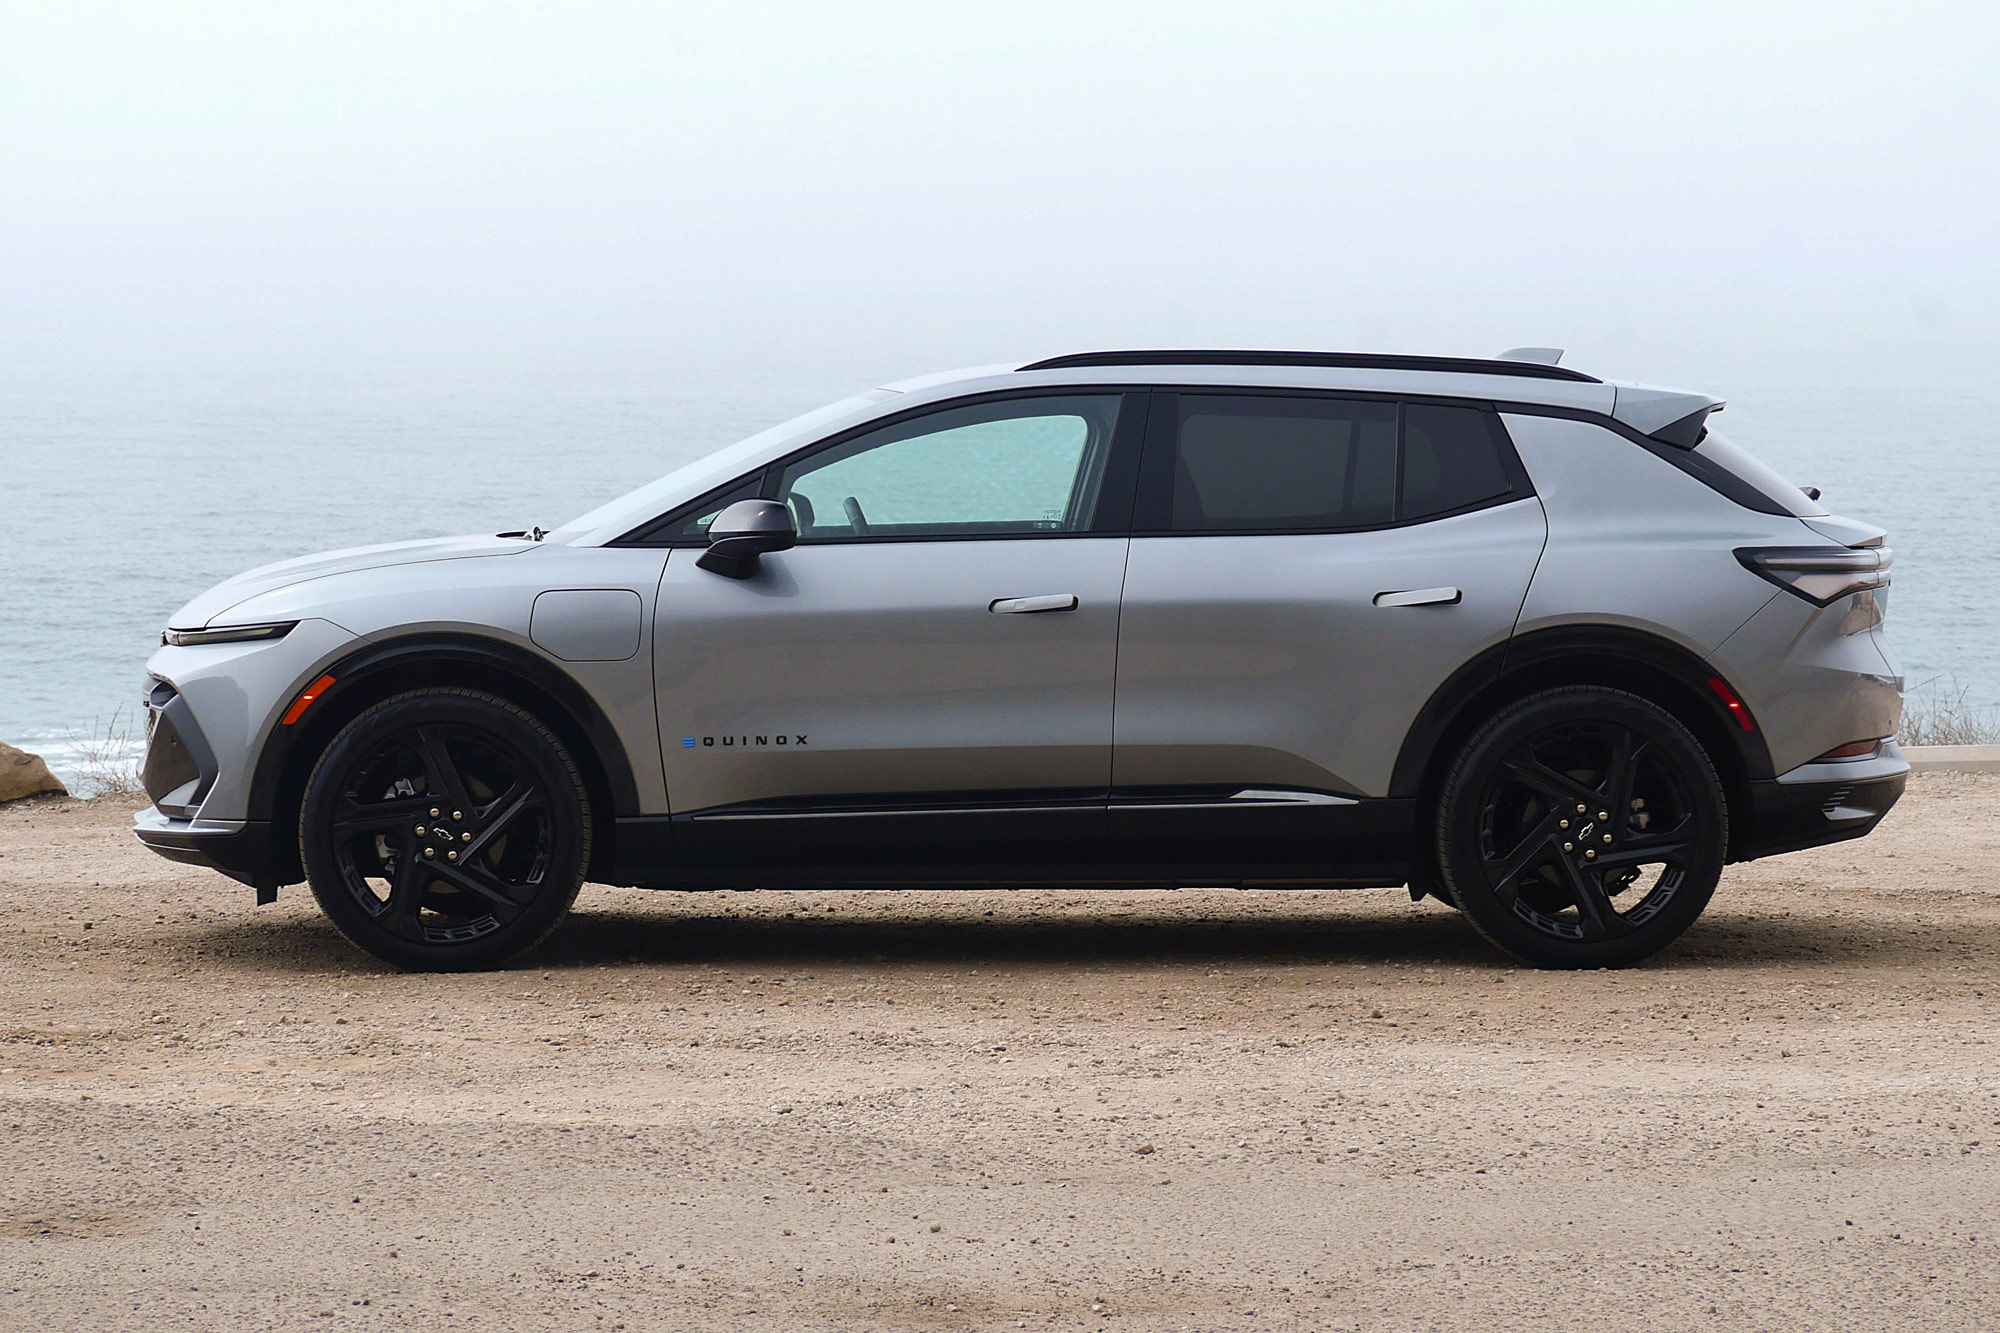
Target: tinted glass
x,y
1453,457
1758,475
1249,464
1018,467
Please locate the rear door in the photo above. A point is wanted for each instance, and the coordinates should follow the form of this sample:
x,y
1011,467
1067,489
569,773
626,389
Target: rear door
x,y
926,677
1306,570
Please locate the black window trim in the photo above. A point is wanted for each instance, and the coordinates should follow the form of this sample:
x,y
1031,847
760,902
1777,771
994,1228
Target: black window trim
x,y
1151,421
1153,516
1114,497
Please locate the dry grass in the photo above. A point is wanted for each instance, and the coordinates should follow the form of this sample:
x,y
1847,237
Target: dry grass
x,y
107,759
1937,713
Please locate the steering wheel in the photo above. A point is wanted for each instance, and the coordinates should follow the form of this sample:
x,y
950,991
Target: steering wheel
x,y
855,518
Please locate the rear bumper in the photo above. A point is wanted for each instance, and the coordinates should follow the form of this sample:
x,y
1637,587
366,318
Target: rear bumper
x,y
240,849
1815,804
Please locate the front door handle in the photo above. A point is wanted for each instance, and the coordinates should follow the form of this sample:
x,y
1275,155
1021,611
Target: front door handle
x,y
1021,606
1420,597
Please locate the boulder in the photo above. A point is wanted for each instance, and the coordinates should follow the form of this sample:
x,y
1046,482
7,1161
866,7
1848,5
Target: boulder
x,y
24,774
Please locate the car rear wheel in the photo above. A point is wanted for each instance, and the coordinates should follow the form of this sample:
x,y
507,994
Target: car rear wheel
x,y
445,829
1582,827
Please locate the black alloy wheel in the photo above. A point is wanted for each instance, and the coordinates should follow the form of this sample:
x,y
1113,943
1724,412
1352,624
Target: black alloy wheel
x,y
445,829
1582,827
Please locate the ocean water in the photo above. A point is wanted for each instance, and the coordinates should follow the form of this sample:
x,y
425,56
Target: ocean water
x,y
133,482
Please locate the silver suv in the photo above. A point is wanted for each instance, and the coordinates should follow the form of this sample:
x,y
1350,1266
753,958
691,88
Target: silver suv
x,y
1545,648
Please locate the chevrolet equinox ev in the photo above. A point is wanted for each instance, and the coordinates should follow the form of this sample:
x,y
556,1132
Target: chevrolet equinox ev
x,y
1549,649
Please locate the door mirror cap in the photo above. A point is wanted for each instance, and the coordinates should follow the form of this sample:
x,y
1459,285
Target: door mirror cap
x,y
743,532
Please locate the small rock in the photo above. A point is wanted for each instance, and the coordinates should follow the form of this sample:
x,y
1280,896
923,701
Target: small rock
x,y
23,774
1144,1148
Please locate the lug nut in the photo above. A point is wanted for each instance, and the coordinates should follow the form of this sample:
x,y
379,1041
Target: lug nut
x,y
1560,823
1604,814
420,830
453,856
1589,855
1569,846
430,851
434,812
1581,809
458,814
467,837
1607,837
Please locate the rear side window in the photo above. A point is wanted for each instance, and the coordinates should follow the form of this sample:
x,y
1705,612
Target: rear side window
x,y
1248,464
1295,463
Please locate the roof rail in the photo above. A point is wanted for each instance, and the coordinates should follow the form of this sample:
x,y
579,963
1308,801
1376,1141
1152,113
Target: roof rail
x,y
1462,365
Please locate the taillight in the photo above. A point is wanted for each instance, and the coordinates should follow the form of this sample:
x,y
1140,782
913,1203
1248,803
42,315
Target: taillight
x,y
1820,574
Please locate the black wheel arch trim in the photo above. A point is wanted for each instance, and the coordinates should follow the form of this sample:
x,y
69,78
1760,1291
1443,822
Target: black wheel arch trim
x,y
440,659
1527,660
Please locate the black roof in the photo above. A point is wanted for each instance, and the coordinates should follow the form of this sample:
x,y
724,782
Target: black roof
x,y
1462,365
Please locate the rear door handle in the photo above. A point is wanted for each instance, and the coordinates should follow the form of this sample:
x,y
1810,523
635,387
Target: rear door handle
x,y
1420,597
1021,606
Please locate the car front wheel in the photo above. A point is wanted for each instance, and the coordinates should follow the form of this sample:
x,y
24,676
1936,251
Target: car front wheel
x,y
1582,827
445,829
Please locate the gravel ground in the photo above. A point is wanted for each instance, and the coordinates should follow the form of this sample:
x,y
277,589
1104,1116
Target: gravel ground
x,y
1198,1110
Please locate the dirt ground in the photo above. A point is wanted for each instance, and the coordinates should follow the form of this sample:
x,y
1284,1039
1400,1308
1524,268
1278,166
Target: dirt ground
x,y
1195,1110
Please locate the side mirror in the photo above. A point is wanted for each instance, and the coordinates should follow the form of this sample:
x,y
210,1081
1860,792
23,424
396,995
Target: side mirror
x,y
745,531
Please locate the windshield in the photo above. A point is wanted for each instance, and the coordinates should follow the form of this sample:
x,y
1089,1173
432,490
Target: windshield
x,y
635,507
1758,475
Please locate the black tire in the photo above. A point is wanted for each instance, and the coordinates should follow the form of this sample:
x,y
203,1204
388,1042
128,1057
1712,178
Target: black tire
x,y
445,829
1582,827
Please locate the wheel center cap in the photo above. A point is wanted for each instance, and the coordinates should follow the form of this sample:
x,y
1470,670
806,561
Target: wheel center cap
x,y
437,836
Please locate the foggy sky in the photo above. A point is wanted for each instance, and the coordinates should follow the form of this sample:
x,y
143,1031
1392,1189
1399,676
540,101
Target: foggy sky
x,y
1675,182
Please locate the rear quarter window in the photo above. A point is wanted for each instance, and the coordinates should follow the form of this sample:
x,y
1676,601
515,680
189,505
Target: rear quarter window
x,y
1453,458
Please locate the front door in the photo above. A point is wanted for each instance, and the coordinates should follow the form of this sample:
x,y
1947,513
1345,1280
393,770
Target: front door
x,y
926,677
1305,572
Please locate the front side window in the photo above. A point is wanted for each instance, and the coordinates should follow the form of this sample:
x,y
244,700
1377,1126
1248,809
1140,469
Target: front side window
x,y
1014,467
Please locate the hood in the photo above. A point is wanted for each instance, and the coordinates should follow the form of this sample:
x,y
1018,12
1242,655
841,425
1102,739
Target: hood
x,y
268,578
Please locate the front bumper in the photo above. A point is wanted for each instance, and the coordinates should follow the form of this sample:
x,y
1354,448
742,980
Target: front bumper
x,y
240,849
1819,803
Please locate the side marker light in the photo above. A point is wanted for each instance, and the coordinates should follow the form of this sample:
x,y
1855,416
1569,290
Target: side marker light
x,y
305,699
1732,703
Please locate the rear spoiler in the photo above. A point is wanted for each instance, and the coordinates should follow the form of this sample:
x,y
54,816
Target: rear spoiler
x,y
1667,415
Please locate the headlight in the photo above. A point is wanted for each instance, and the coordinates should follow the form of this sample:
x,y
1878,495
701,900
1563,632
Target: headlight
x,y
188,638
